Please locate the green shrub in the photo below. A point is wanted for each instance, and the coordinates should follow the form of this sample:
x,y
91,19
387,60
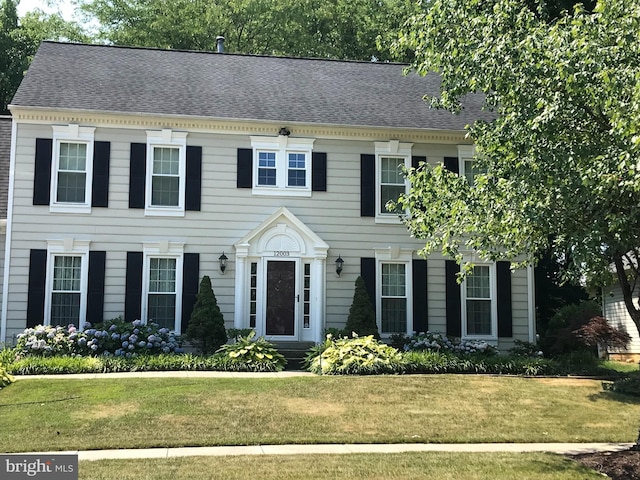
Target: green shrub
x,y
234,333
357,356
560,338
525,349
629,385
252,355
5,378
206,325
362,316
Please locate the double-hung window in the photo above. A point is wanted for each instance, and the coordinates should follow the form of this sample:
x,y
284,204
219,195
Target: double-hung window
x,y
479,306
166,173
66,282
394,290
162,284
282,165
391,159
72,169
468,163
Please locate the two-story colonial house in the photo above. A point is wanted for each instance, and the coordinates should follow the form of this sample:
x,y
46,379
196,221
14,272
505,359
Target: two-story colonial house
x,y
134,172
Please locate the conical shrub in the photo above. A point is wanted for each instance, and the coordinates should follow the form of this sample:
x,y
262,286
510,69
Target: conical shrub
x,y
362,316
206,326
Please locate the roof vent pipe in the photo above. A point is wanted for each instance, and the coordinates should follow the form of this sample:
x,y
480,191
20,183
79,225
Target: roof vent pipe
x,y
220,43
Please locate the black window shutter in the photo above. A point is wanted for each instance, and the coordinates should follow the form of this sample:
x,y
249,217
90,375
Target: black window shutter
x,y
420,313
133,287
35,295
319,172
451,164
415,161
137,174
368,273
505,319
100,181
453,300
194,178
95,286
244,177
367,185
190,285
42,171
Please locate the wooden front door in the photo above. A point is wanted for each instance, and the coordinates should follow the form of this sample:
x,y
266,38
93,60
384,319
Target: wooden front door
x,y
281,298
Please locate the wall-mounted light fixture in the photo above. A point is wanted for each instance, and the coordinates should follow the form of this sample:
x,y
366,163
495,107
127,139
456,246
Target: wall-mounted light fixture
x,y
284,131
339,264
223,262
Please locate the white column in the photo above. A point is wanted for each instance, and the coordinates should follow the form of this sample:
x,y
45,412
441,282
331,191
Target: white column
x,y
241,315
318,297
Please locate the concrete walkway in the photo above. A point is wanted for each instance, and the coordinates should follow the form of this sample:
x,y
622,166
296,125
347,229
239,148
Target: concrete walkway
x,y
558,448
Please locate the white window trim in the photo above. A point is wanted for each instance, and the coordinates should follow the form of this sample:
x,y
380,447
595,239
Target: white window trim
x,y
162,249
74,134
72,248
169,139
393,149
493,285
394,254
282,145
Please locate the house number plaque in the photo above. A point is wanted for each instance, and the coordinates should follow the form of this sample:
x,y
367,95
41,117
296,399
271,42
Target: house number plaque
x,y
281,253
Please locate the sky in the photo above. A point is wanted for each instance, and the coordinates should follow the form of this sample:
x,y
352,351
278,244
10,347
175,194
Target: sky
x,y
64,6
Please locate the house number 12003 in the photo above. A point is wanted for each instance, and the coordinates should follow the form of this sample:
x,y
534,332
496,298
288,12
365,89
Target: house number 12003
x,y
280,253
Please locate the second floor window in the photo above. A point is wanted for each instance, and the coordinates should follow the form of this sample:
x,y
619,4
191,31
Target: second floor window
x,y
165,178
72,173
282,165
166,173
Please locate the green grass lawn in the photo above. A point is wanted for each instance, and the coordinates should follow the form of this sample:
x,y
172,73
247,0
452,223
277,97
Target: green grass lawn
x,y
48,414
414,466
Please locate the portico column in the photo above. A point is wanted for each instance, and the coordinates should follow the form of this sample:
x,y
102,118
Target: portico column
x,y
318,297
241,316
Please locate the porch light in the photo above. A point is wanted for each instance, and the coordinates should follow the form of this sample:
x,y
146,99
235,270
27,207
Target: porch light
x,y
339,264
223,262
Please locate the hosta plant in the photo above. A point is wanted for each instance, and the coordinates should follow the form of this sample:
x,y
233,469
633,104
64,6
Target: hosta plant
x,y
356,356
252,354
5,378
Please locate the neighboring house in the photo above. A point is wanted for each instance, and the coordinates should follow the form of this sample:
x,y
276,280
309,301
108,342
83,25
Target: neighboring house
x,y
615,311
134,171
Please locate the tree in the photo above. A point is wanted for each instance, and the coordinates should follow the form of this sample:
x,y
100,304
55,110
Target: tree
x,y
559,164
206,325
19,40
362,316
302,28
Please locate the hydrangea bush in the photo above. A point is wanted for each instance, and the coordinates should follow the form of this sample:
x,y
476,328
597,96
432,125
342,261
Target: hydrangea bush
x,y
111,338
436,342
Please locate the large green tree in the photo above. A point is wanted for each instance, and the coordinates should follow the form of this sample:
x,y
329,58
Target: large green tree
x,y
559,166
20,38
307,28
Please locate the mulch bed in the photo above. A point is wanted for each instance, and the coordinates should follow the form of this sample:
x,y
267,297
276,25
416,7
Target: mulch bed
x,y
624,465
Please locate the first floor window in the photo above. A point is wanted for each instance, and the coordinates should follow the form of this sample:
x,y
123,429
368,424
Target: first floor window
x,y
161,306
66,290
394,298
478,293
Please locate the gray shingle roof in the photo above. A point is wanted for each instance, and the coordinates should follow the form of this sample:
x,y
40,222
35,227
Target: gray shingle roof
x,y
230,86
5,149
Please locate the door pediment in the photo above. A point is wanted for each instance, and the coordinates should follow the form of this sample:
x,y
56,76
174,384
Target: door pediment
x,y
282,232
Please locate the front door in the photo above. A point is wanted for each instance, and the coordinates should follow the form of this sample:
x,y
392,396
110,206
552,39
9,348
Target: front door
x,y
281,298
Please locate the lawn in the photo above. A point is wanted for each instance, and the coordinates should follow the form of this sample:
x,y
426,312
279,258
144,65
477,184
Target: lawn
x,y
414,466
61,414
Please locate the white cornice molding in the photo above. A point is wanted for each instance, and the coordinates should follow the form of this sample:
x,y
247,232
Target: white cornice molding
x,y
22,115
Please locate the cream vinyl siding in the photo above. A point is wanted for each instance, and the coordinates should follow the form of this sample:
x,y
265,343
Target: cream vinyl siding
x,y
227,215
